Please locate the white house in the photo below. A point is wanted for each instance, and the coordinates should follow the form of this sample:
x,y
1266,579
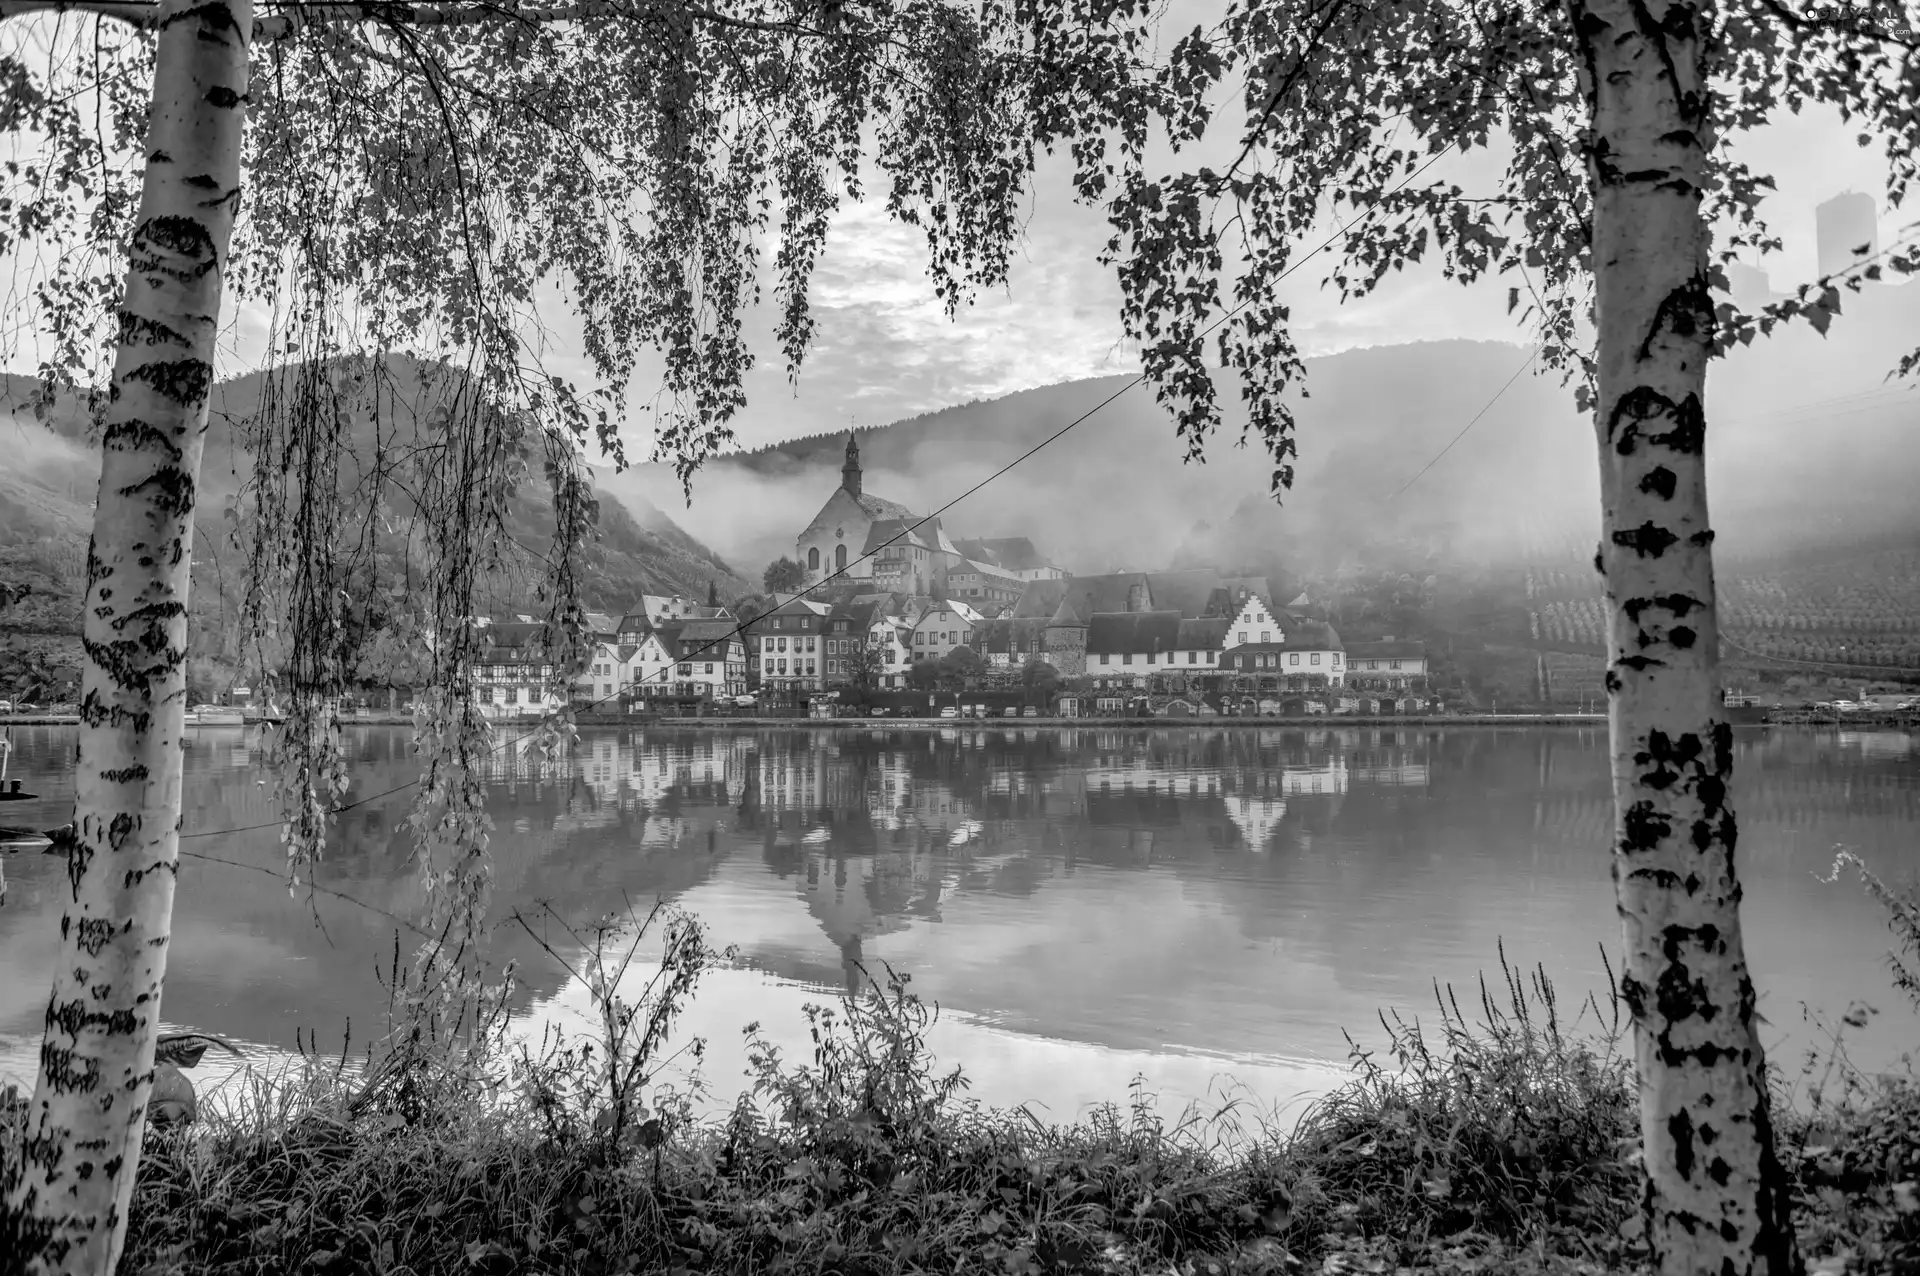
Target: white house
x,y
1310,657
1254,623
1137,643
944,626
1386,665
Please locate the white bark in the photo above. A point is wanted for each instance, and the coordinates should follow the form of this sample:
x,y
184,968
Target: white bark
x,y
1716,1193
97,1059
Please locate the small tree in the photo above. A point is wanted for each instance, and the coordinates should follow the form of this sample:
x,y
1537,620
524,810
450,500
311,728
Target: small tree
x,y
1038,675
960,667
866,666
923,675
783,576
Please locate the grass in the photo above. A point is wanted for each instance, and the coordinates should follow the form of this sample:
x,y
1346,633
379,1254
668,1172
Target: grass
x,y
1491,1141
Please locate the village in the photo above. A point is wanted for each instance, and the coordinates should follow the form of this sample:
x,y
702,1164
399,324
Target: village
x,y
893,616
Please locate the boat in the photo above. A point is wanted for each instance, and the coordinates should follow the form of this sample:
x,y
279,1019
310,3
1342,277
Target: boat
x,y
214,715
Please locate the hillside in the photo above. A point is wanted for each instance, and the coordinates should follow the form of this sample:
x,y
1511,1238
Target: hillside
x,y
1813,453
46,517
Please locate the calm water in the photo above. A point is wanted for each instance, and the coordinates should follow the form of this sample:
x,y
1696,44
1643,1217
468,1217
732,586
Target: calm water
x,y
1087,905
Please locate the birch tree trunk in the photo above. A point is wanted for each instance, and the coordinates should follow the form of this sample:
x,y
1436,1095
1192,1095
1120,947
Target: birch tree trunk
x,y
96,1062
1716,1195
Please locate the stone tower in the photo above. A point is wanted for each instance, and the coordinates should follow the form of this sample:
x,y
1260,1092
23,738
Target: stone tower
x,y
850,472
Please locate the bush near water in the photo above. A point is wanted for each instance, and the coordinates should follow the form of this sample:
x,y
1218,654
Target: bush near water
x,y
1502,1139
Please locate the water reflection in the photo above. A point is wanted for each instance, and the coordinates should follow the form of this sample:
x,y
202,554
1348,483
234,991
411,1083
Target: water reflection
x,y
1141,896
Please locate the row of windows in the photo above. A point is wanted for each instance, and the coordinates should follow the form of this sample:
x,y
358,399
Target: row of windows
x,y
1271,660
839,558
780,644
1172,657
778,668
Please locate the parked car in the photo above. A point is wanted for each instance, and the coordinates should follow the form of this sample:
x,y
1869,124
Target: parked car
x,y
949,712
1030,712
878,711
1011,711
6,706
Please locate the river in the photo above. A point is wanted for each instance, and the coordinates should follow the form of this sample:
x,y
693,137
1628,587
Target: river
x,y
1087,905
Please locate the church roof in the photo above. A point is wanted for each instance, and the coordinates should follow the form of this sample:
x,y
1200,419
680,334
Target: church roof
x,y
881,507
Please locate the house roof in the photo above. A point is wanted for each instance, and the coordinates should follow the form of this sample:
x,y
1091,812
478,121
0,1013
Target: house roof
x,y
1008,636
1008,553
1400,650
1119,632
903,532
964,612
599,624
1209,634
798,606
1193,594
707,630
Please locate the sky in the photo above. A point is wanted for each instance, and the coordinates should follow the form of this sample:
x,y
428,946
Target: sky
x,y
887,350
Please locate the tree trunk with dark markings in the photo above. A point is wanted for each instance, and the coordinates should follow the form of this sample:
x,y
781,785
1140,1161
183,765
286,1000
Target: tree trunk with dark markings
x,y
1716,1193
69,1207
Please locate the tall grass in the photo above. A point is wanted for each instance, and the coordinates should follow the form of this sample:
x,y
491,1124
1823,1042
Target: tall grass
x,y
1497,1136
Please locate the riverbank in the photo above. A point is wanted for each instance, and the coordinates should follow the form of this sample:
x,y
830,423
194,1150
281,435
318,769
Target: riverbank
x,y
1502,1146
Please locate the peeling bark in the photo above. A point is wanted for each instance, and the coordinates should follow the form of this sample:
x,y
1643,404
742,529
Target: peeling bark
x,y
1716,1194
97,1060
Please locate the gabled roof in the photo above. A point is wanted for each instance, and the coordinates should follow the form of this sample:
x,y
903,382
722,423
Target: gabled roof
x,y
900,533
959,609
798,606
1116,633
601,625
1395,650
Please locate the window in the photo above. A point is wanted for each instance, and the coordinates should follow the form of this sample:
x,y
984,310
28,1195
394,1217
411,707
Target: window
x,y
1209,657
686,671
1336,657
1393,664
1193,657
1266,635
1103,657
1239,662
919,639
1316,658
709,666
840,557
1243,635
1126,658
813,559
810,646
1294,659
513,695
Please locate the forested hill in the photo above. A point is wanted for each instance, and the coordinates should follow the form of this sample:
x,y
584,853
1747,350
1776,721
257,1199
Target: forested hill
x,y
47,488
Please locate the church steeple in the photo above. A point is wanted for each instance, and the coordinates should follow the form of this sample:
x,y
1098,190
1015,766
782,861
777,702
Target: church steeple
x,y
850,472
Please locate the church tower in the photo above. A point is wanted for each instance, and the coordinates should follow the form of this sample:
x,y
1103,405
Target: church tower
x,y
850,472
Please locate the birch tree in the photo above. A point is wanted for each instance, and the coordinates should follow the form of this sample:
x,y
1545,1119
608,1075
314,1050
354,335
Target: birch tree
x,y
421,180
1617,208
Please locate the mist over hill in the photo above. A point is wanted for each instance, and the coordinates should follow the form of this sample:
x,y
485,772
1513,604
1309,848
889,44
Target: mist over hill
x,y
1811,449
47,489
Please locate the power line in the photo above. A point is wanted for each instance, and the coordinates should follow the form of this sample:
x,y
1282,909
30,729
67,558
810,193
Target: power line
x,y
1498,395
740,628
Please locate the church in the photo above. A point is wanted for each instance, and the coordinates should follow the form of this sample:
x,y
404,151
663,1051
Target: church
x,y
861,536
